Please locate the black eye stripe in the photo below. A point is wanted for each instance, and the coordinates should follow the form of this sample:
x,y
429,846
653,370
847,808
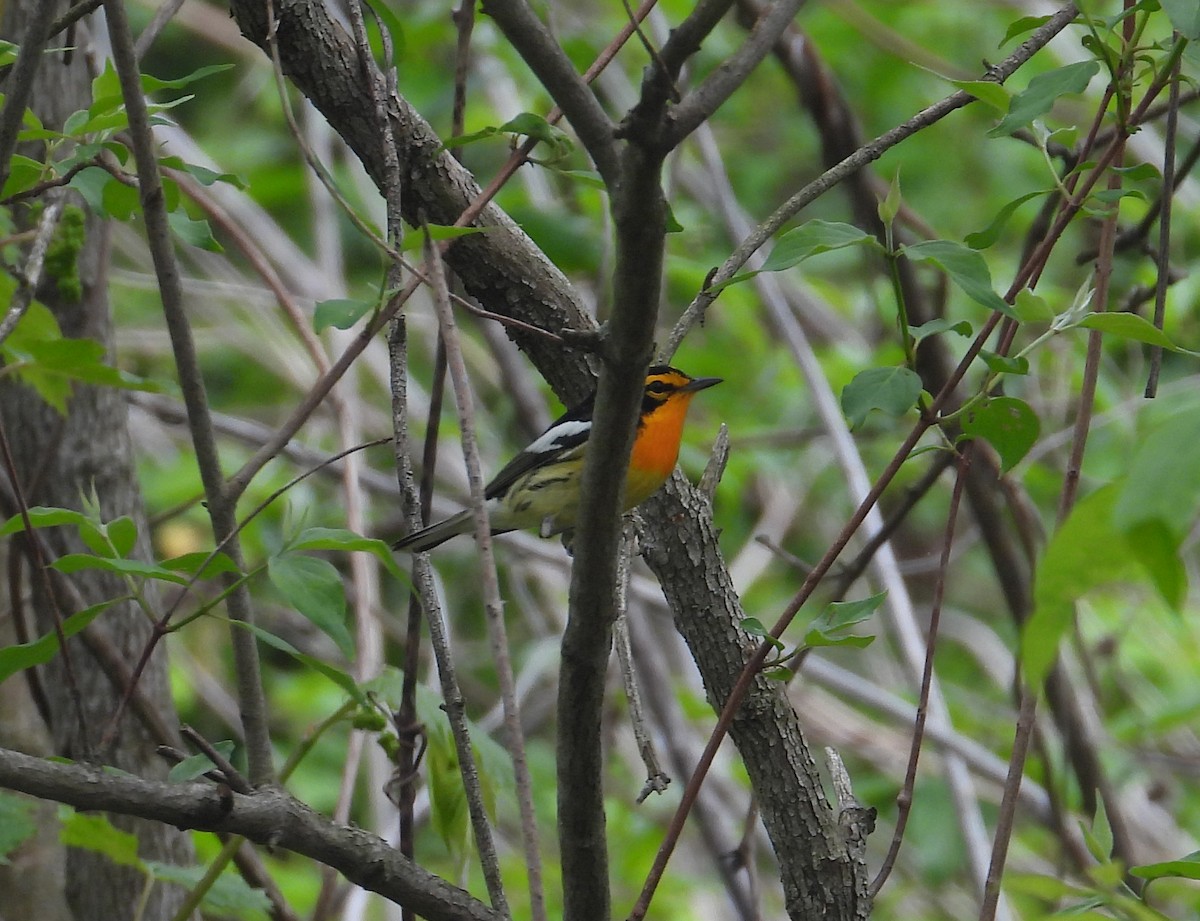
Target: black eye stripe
x,y
660,387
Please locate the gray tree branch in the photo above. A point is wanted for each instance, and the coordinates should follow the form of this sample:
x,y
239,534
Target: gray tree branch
x,y
269,816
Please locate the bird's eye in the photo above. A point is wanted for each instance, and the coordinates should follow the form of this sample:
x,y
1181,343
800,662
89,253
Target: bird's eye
x,y
659,387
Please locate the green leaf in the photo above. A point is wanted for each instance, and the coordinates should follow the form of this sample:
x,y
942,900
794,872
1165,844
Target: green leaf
x,y
196,765
1129,326
350,542
812,238
314,588
44,517
986,91
230,896
989,235
437,233
940,325
829,627
1184,868
966,268
20,656
23,173
17,823
755,627
119,201
151,84
202,174
1184,16
1032,308
1021,26
530,125
1043,91
1009,425
191,563
336,675
90,183
94,832
342,312
1163,479
194,233
588,178
1085,553
390,21
893,391
890,206
76,562
122,533
1004,364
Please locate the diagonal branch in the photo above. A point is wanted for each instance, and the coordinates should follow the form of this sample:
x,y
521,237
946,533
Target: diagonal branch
x,y
718,86
270,817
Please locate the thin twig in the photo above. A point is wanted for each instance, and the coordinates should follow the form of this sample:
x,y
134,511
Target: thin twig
x,y
163,15
490,585
1163,256
252,699
904,800
439,641
656,779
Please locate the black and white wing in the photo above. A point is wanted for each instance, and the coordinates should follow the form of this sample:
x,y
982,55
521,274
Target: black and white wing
x,y
566,434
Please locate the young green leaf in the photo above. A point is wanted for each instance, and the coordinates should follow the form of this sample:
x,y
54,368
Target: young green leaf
x,y
1004,364
94,832
1184,868
314,588
1032,308
342,312
1184,16
965,267
44,517
194,233
986,91
20,656
1086,552
940,325
812,238
336,675
196,765
191,564
1129,326
982,239
75,562
1041,94
893,391
17,823
829,627
1009,425
348,541
229,896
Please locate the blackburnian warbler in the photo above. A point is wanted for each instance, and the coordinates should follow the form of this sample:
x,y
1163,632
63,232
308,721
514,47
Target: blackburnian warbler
x,y
539,488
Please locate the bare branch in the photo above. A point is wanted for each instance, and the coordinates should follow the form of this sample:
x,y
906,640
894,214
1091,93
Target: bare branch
x,y
703,101
269,816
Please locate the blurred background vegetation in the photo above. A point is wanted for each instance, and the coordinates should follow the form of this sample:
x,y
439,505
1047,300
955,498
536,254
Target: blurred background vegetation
x,y
782,499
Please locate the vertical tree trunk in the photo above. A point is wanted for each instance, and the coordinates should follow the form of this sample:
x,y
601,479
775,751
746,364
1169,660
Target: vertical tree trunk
x,y
60,460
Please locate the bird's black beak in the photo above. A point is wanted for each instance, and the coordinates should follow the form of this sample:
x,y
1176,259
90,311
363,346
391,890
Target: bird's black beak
x,y
700,383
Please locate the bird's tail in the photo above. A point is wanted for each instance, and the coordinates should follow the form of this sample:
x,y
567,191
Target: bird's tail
x,y
430,537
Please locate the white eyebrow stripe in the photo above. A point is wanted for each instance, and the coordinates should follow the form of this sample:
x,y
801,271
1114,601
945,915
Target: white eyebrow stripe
x,y
555,438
